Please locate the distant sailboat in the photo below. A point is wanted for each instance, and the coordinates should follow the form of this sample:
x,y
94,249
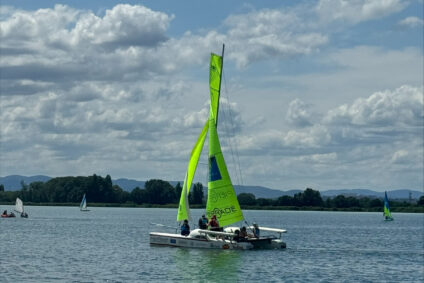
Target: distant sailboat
x,y
19,207
83,204
387,215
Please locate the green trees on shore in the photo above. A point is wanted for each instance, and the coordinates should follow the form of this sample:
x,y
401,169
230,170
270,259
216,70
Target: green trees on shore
x,y
159,192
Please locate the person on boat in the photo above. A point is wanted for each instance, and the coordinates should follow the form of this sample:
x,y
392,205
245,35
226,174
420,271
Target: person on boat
x,y
203,222
237,236
4,213
243,232
185,228
214,224
256,231
24,214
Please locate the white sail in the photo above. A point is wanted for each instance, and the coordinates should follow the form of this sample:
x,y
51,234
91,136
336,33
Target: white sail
x,y
19,206
83,205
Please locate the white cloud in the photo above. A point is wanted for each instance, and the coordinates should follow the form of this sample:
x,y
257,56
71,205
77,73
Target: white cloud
x,y
298,114
401,107
356,11
411,22
115,94
265,34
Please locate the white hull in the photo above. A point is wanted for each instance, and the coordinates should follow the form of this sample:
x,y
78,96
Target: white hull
x,y
196,240
269,242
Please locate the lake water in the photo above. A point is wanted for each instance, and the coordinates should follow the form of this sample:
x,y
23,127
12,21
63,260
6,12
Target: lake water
x,y
112,245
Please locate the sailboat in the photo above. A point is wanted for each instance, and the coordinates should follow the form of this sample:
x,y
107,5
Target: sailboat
x,y
387,215
222,200
83,204
19,207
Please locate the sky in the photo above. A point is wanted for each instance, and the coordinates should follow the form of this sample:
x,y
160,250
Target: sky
x,y
321,94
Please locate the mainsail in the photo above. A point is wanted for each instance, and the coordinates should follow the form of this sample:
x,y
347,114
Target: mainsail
x,y
19,206
222,200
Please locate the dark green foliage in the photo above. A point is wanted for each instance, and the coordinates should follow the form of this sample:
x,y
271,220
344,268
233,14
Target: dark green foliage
x,y
196,195
178,190
246,199
69,190
285,201
138,196
160,192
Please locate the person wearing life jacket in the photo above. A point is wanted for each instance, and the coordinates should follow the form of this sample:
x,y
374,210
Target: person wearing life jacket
x,y
185,228
203,222
213,224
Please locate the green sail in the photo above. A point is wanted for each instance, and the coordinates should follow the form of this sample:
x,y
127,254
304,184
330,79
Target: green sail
x,y
184,209
215,70
222,199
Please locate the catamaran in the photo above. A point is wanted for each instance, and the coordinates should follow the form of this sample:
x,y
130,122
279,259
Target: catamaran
x,y
387,215
83,204
19,207
222,200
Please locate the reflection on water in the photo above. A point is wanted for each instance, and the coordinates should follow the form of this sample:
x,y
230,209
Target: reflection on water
x,y
206,263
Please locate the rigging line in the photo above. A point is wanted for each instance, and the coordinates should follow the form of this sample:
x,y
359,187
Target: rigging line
x,y
229,143
233,132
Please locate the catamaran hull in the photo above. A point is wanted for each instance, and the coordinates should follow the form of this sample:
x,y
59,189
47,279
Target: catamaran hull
x,y
176,240
267,243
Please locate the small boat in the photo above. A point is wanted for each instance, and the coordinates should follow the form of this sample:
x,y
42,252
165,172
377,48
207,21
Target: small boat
x,y
19,208
387,215
83,204
222,200
5,215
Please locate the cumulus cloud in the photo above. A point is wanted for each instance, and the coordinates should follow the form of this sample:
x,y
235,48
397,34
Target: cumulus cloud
x,y
411,22
358,10
298,114
114,93
402,106
264,34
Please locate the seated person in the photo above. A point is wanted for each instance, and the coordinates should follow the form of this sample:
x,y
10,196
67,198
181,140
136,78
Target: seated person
x,y
243,233
237,236
203,222
256,231
214,224
185,228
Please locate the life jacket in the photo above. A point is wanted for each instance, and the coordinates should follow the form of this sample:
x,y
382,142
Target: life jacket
x,y
185,229
214,223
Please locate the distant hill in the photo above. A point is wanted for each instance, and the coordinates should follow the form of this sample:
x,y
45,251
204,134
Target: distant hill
x,y
395,194
13,183
262,192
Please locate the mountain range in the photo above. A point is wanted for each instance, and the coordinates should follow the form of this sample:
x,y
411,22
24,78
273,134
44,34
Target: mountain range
x,y
13,183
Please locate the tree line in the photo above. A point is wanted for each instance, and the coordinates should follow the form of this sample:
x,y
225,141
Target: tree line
x,y
159,192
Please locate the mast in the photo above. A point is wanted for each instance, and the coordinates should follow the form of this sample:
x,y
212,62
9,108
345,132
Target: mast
x,y
220,80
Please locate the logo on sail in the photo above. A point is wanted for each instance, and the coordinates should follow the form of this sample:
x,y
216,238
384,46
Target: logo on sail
x,y
222,211
214,173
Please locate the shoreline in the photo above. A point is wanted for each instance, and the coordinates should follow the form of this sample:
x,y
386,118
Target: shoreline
x,y
403,209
